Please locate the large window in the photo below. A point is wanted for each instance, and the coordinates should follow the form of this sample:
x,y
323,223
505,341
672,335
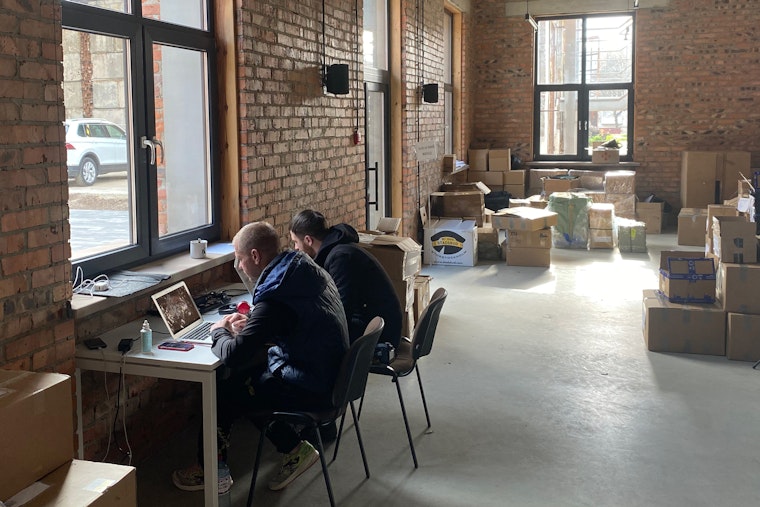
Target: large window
x,y
140,131
584,86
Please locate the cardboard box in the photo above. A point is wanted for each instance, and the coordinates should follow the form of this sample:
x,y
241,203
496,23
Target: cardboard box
x,y
36,427
462,205
601,216
536,176
625,204
465,187
404,290
477,159
401,257
589,180
523,218
451,242
516,177
734,240
605,156
499,160
651,214
681,254
531,257
631,236
737,287
601,238
620,182
559,184
449,161
707,177
717,210
692,223
743,337
688,280
571,230
421,294
84,484
673,327
517,191
541,238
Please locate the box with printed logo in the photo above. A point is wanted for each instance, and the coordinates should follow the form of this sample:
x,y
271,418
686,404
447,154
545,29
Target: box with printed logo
x,y
451,242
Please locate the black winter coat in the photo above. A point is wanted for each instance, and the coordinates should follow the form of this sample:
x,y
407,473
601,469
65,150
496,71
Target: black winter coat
x,y
363,284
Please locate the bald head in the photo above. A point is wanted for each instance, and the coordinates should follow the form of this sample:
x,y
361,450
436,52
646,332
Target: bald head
x,y
256,244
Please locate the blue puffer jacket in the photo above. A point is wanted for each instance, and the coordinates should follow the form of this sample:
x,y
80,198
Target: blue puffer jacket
x,y
298,311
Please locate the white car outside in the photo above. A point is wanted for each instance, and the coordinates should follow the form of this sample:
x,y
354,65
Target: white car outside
x,y
94,147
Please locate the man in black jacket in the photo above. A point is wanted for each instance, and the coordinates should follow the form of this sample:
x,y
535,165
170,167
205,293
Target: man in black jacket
x,y
298,322
363,284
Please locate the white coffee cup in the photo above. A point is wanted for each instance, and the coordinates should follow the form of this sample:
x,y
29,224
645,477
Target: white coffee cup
x,y
198,248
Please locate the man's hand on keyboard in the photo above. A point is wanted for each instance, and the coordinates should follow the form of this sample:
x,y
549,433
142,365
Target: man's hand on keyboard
x,y
234,323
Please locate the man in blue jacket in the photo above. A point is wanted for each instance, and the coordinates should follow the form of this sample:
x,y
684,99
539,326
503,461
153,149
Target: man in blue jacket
x,y
363,284
298,321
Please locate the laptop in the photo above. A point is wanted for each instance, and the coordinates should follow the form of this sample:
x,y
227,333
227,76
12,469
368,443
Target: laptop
x,y
181,315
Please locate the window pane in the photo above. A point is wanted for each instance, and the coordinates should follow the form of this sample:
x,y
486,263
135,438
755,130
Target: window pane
x,y
98,152
448,122
111,5
559,123
448,21
181,112
559,51
375,34
608,118
190,13
609,50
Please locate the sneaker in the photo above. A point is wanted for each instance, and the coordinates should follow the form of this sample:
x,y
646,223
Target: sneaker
x,y
293,465
191,479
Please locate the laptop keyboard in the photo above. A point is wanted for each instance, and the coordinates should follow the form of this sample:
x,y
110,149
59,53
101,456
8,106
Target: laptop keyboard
x,y
199,334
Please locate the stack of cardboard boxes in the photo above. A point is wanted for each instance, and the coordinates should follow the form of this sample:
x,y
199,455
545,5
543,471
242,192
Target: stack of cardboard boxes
x,y
601,220
572,227
528,235
702,309
494,168
37,465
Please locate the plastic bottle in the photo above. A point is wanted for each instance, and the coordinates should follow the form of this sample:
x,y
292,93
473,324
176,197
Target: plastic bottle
x,y
225,482
146,336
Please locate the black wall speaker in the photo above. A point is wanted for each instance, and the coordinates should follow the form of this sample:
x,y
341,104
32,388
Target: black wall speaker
x,y
430,93
336,78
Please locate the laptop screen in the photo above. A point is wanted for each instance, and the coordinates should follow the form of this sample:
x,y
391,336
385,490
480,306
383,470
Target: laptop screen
x,y
177,307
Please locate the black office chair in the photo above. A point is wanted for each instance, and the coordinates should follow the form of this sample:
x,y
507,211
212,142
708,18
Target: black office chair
x,y
349,386
407,354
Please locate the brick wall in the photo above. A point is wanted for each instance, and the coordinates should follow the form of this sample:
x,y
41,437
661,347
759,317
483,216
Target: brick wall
x,y
296,147
36,331
697,84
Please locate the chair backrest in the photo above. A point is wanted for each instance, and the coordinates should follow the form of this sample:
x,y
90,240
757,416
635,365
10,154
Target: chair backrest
x,y
354,370
424,331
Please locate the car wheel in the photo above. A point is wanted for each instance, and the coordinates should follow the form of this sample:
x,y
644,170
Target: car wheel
x,y
88,171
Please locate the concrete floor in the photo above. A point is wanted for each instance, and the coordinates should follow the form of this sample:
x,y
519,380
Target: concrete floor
x,y
541,393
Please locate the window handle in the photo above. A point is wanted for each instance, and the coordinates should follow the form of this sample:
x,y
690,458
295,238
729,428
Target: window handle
x,y
160,145
582,125
147,143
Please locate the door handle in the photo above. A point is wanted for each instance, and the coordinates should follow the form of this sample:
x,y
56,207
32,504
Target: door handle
x,y
147,143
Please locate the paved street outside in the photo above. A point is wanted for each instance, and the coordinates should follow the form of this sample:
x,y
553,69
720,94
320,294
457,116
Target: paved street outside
x,y
99,215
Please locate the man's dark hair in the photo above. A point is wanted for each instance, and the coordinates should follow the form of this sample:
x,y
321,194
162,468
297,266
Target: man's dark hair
x,y
311,223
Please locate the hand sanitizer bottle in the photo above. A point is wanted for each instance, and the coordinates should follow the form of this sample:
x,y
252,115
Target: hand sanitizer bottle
x,y
146,335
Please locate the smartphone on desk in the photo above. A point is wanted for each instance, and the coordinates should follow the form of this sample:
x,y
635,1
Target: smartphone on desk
x,y
181,346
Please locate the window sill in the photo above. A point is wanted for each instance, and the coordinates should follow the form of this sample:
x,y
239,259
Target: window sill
x,y
178,267
549,164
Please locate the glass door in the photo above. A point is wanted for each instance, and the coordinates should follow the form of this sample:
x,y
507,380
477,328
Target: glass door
x,y
377,167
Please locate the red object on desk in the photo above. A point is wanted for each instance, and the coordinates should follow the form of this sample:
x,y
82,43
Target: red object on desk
x,y
243,307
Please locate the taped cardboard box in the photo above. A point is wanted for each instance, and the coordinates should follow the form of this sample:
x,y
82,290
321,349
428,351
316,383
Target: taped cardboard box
x,y
688,280
465,187
631,236
524,218
36,427
707,177
85,484
601,238
401,257
499,160
559,184
605,156
651,214
517,191
625,204
743,337
737,287
571,230
620,182
589,180
685,328
477,159
601,216
717,210
529,257
451,242
535,177
692,224
462,205
530,239
734,240
421,294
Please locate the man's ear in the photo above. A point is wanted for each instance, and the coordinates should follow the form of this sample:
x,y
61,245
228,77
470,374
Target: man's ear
x,y
255,256
308,240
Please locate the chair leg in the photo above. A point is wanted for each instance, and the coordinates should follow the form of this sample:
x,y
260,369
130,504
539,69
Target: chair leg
x,y
321,450
359,438
406,422
361,404
337,439
256,466
422,392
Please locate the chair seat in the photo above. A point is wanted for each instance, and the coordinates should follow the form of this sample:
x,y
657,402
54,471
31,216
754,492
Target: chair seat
x,y
402,364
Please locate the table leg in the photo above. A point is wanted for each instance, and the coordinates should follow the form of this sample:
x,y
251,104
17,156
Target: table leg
x,y
210,464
